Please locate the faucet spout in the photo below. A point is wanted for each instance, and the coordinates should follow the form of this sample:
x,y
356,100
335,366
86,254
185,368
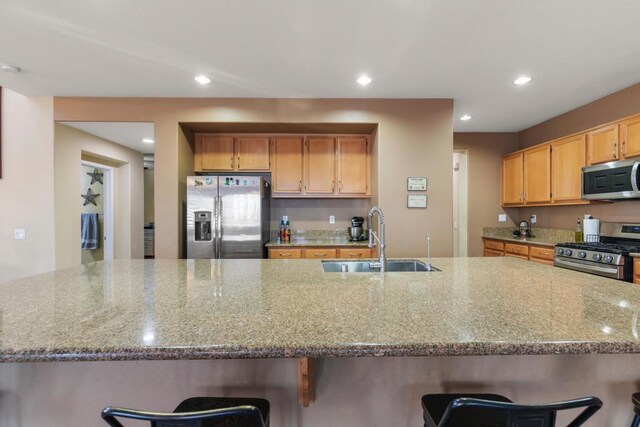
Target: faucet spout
x,y
381,239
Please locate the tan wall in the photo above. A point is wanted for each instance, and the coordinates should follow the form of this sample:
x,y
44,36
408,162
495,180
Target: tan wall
x,y
26,187
148,195
485,151
72,146
612,107
414,138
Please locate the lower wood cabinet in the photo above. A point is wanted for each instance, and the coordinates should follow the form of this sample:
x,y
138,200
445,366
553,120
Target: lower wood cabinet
x,y
336,252
532,252
636,271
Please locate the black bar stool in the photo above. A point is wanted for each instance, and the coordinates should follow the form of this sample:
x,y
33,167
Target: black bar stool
x,y
636,409
493,410
200,412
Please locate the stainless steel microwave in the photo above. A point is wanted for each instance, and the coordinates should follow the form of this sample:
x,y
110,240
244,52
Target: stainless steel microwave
x,y
613,180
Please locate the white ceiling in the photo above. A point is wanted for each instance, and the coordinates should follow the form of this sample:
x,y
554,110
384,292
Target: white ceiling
x,y
469,50
127,134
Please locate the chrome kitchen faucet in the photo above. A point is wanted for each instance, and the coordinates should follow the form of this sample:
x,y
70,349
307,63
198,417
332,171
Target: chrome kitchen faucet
x,y
382,264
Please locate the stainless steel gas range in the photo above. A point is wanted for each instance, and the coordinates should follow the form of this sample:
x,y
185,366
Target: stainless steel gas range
x,y
608,256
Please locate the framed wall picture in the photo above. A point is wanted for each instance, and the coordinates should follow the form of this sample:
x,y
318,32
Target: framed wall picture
x,y
417,183
417,201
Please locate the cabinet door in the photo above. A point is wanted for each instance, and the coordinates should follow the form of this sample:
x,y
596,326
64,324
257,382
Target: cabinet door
x,y
602,145
353,165
568,157
630,138
512,179
252,153
320,165
537,175
287,165
216,152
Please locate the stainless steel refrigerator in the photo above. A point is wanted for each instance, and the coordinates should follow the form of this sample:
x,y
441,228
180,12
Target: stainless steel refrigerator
x,y
227,216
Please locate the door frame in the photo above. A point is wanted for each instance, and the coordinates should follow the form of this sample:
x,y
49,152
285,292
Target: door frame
x,y
463,203
108,238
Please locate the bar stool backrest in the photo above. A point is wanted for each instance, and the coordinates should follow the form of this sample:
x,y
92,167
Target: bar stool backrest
x,y
517,415
250,416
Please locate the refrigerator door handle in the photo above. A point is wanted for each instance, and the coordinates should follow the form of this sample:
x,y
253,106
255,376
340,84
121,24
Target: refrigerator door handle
x,y
219,221
215,227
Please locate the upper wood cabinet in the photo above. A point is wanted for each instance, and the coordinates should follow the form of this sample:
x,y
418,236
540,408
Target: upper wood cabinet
x,y
512,179
228,153
252,153
537,174
286,176
214,153
602,144
568,157
320,165
630,138
353,165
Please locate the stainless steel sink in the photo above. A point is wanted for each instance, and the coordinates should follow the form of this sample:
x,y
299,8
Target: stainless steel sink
x,y
369,267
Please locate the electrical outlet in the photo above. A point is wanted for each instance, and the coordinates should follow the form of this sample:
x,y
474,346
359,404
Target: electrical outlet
x,y
332,219
534,219
19,234
285,218
502,217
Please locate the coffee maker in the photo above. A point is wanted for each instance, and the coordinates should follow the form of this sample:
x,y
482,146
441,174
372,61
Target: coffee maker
x,y
356,232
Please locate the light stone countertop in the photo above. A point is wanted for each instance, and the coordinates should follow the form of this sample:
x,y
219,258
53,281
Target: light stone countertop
x,y
317,243
206,309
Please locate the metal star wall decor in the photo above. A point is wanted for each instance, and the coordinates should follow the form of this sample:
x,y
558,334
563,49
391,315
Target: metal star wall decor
x,y
96,176
90,197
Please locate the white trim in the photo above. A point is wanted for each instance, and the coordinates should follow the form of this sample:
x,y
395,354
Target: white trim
x,y
461,191
108,207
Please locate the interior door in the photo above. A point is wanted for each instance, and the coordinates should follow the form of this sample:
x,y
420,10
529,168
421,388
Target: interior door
x,y
240,217
320,165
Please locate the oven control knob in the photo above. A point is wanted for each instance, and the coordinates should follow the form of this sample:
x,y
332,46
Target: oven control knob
x,y
597,257
568,252
560,251
582,254
608,258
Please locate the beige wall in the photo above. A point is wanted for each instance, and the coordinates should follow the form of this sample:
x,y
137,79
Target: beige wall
x,y
72,146
414,138
612,107
148,196
313,214
26,187
485,151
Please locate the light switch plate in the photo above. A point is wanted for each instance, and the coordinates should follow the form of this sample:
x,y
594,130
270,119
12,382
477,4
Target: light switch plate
x,y
502,217
19,234
332,219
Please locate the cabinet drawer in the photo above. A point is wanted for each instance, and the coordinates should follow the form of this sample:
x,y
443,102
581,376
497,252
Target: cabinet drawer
x,y
354,253
319,253
517,249
491,252
285,253
541,253
493,244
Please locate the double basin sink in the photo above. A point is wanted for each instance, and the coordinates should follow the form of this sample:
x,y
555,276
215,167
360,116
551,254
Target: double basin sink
x,y
369,267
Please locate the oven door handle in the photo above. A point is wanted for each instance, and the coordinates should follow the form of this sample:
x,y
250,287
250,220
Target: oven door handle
x,y
587,268
634,176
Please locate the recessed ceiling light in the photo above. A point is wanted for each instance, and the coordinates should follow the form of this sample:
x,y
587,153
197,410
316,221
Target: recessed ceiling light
x,y
364,80
202,79
147,140
10,68
465,117
522,80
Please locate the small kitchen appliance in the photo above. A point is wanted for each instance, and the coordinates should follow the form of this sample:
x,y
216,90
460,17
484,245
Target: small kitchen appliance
x,y
524,230
608,257
356,232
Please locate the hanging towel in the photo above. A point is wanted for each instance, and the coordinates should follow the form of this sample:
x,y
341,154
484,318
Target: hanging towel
x,y
89,233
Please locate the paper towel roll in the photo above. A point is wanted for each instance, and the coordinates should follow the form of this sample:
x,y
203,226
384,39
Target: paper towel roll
x,y
591,230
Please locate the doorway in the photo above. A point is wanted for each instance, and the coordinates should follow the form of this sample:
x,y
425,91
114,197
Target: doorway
x,y
96,238
460,202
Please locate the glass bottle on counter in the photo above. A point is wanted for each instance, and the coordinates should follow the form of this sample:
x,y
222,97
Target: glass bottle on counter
x,y
283,233
579,236
287,232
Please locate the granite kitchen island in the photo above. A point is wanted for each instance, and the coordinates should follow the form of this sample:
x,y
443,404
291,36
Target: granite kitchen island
x,y
503,311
